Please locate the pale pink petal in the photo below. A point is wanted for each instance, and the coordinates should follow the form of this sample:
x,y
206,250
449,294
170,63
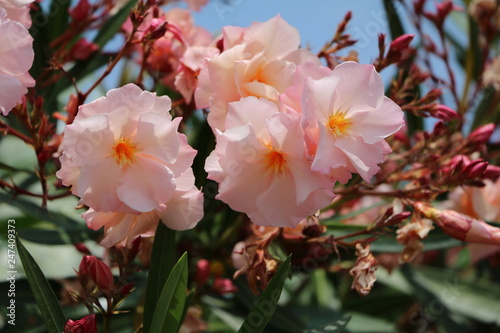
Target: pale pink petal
x,y
88,139
118,232
250,110
157,137
185,82
303,56
204,90
145,185
184,210
369,125
11,93
364,157
97,220
184,159
97,185
361,89
232,36
328,155
318,99
291,99
275,36
16,53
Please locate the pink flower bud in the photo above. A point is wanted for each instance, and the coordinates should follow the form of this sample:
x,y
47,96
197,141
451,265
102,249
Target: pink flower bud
x,y
482,134
492,172
401,43
87,324
445,113
202,271
475,169
98,272
224,286
460,226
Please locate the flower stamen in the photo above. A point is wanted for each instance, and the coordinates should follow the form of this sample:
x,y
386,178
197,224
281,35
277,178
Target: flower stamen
x,y
124,151
338,125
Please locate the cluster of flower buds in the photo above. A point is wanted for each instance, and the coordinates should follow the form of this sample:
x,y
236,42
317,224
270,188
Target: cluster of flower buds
x,y
399,50
460,226
470,172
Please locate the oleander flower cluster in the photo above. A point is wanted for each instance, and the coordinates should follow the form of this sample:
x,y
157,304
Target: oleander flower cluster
x,y
16,54
125,159
287,129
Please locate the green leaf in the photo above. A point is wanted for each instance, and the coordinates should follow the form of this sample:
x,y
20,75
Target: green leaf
x,y
395,27
58,17
113,25
336,327
170,307
44,295
162,261
264,309
36,211
431,301
436,240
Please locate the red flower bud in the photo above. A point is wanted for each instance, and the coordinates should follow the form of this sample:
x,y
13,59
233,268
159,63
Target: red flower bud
x,y
482,134
401,43
445,113
98,272
492,172
87,324
475,169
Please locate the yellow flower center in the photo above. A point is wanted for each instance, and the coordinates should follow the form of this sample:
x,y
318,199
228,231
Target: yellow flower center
x,y
338,125
124,151
275,161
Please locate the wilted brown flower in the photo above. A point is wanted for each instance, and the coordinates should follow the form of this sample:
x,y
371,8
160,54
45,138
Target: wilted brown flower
x,y
364,270
410,235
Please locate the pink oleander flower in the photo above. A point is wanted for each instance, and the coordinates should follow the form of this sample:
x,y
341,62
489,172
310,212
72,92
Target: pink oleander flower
x,y
257,61
16,58
346,118
183,211
123,154
261,166
18,10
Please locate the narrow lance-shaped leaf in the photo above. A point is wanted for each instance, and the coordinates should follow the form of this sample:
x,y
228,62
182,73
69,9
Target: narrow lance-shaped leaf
x,y
170,307
44,296
264,309
162,261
